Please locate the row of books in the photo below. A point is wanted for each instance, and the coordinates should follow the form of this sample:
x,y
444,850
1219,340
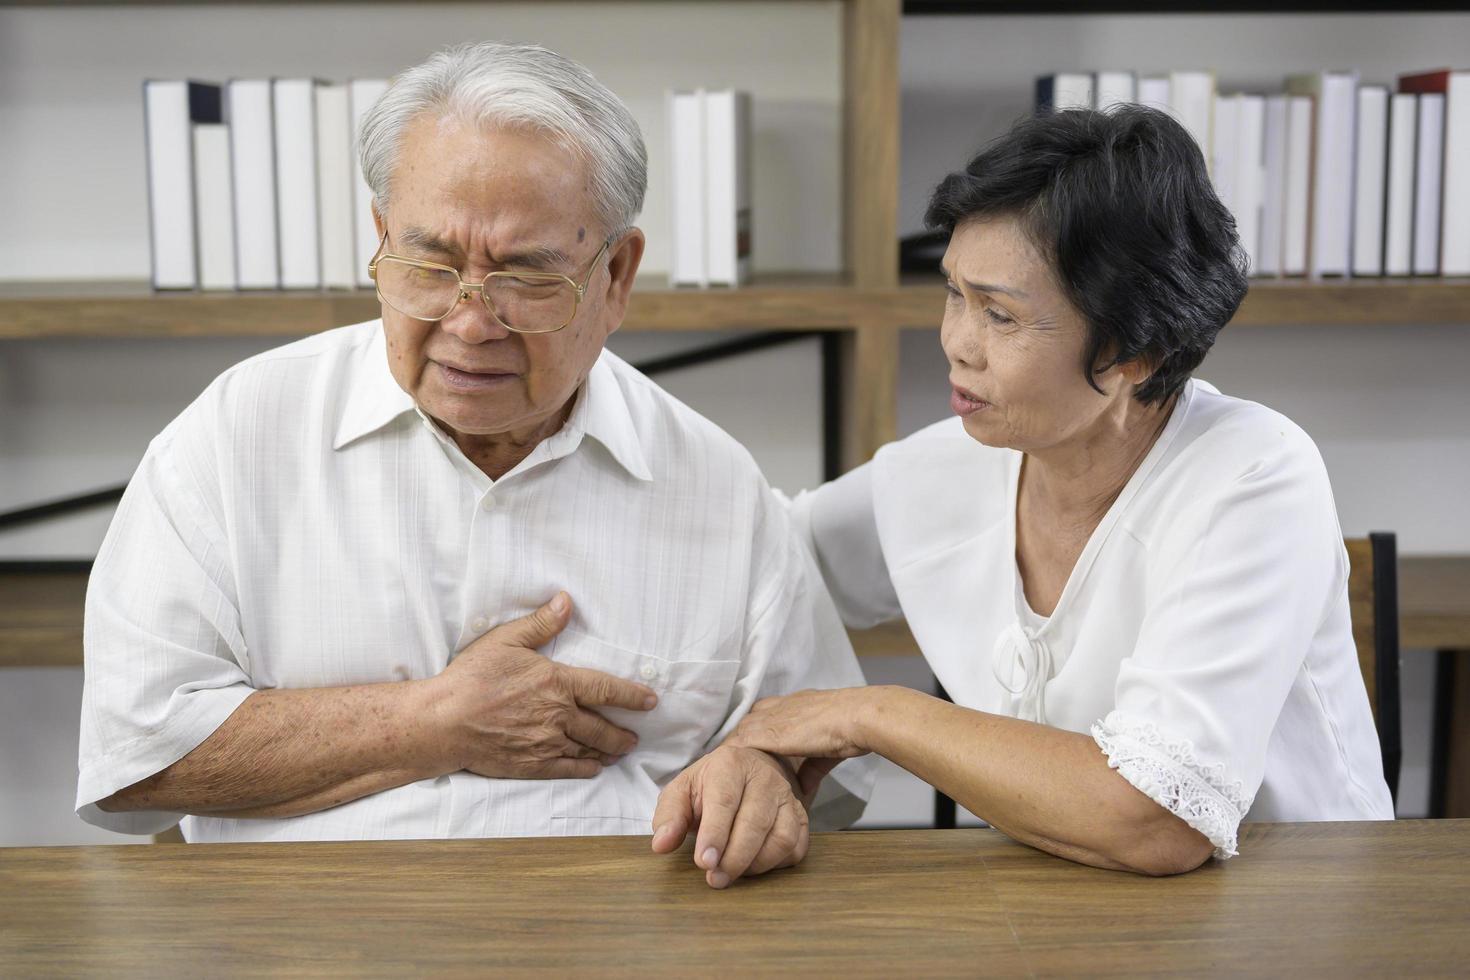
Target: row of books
x,y
1330,177
255,184
709,206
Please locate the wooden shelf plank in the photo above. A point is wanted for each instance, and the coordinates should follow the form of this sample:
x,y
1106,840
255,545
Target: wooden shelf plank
x,y
1270,302
41,614
133,309
790,302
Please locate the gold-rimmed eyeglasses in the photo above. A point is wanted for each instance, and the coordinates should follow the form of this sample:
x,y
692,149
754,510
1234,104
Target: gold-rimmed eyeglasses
x,y
524,302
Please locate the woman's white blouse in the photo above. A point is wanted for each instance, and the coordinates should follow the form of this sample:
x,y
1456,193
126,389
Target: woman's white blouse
x,y
1202,639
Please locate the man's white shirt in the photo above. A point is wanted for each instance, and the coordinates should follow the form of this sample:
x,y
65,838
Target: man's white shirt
x,y
303,524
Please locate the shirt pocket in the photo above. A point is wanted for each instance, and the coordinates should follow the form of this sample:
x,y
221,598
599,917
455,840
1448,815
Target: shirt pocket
x,y
694,699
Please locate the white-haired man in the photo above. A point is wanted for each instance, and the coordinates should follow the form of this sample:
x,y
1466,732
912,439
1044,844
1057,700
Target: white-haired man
x,y
289,626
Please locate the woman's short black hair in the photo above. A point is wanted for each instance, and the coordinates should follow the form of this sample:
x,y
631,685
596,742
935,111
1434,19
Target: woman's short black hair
x,y
1122,206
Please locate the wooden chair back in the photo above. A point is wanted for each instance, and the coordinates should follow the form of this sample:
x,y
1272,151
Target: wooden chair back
x,y
1373,598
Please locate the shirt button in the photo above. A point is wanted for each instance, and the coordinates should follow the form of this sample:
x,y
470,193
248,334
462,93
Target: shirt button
x,y
648,672
480,624
488,503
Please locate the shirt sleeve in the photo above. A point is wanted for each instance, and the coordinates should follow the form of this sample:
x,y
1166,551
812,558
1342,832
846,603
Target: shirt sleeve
x,y
837,524
1235,595
165,659
794,641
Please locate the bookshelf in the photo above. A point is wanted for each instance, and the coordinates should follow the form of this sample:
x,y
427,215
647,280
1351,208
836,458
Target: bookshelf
x,y
868,304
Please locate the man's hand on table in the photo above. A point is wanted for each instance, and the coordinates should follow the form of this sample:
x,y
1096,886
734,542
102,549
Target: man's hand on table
x,y
507,711
746,806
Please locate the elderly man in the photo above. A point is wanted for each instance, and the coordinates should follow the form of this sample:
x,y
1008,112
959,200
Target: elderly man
x,y
289,626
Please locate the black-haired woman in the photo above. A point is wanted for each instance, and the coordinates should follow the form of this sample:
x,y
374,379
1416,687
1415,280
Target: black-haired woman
x,y
1133,586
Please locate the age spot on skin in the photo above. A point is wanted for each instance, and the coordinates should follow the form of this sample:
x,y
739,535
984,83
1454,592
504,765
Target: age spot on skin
x,y
581,234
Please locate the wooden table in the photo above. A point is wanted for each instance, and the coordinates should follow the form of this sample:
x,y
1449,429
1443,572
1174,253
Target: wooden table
x,y
1326,899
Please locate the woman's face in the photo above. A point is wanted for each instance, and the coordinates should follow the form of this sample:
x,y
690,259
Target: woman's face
x,y
1015,345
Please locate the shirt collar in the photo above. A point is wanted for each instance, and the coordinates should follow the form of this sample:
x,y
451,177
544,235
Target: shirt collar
x,y
602,412
374,399
373,396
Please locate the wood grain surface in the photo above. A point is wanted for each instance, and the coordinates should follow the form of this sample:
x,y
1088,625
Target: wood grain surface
x,y
1325,899
771,302
870,136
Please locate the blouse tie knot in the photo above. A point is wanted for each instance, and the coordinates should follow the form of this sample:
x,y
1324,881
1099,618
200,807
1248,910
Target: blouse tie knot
x,y
1022,665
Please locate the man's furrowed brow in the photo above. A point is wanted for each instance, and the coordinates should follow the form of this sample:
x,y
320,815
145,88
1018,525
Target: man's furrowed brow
x,y
545,257
426,241
538,256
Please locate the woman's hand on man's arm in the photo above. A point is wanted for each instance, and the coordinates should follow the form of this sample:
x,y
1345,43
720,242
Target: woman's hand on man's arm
x,y
1045,787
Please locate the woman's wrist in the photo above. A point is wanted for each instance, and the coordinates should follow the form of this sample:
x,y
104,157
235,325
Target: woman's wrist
x,y
877,709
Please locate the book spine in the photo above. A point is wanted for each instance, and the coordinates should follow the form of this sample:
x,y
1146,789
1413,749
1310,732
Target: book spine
x,y
253,164
1273,191
214,206
1370,180
296,179
727,230
1429,157
1296,225
170,184
1332,199
1403,135
335,187
1250,176
363,95
687,265
1454,252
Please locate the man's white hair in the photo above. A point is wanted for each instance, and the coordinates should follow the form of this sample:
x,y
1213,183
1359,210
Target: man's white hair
x,y
523,86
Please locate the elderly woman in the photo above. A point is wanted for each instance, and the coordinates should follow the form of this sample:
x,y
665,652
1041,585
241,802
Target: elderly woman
x,y
1133,586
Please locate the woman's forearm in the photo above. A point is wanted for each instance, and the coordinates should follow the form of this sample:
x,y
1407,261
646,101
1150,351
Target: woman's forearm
x,y
285,753
1045,787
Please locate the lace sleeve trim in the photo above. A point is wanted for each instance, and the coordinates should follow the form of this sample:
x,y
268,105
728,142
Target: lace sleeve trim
x,y
1166,771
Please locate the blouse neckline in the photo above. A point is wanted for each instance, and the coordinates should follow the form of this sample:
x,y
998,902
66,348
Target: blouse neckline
x,y
1078,576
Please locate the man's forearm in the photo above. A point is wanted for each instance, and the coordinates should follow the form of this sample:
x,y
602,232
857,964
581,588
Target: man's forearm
x,y
287,752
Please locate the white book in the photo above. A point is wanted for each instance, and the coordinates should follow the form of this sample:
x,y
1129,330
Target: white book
x,y
1296,223
294,101
1273,188
363,93
1454,253
214,206
1428,178
253,159
1113,88
687,239
1403,136
1153,91
1064,90
727,187
170,108
1369,180
335,189
1250,175
1223,144
1192,102
1334,108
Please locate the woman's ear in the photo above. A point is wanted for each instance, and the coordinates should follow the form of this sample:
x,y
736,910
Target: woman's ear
x,y
1137,371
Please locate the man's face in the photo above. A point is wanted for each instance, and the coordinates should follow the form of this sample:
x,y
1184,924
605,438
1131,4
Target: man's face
x,y
485,201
